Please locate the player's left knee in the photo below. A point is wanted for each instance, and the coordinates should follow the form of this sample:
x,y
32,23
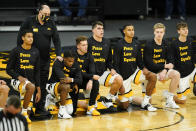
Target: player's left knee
x,y
151,77
30,87
5,89
119,80
175,75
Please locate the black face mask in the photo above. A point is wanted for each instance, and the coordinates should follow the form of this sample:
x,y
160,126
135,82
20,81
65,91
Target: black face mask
x,y
45,18
10,115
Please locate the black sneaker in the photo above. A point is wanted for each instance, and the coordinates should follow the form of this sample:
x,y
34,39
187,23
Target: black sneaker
x,y
107,102
42,112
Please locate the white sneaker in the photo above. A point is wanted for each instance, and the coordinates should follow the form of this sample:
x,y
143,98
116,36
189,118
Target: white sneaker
x,y
171,104
107,103
63,113
148,106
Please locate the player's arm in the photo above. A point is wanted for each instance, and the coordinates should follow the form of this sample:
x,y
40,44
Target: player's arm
x,y
11,64
193,52
24,25
78,76
116,58
91,70
139,59
56,40
169,53
58,69
37,79
109,63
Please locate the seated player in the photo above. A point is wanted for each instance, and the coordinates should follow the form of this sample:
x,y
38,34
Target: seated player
x,y
90,83
4,90
23,66
127,59
100,49
157,59
66,76
184,62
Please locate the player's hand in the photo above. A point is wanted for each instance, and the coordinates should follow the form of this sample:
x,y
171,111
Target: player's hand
x,y
22,79
2,82
59,58
145,71
96,77
38,95
162,75
113,72
169,66
76,88
89,85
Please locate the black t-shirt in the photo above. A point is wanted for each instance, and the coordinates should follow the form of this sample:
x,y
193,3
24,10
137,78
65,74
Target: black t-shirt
x,y
86,64
42,35
24,63
127,57
101,51
155,56
17,123
60,70
183,56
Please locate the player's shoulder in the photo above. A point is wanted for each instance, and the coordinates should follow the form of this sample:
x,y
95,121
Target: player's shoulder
x,y
149,42
35,50
16,49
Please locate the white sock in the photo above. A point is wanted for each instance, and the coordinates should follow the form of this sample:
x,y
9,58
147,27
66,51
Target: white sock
x,y
110,96
170,97
24,110
146,99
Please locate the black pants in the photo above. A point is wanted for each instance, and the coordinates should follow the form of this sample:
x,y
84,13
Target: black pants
x,y
44,73
94,90
74,97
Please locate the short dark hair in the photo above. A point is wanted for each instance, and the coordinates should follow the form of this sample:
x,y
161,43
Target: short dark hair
x,y
24,32
13,100
69,53
80,38
124,27
181,25
94,24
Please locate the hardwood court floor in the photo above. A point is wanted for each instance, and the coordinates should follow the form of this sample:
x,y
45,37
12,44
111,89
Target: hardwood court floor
x,y
183,119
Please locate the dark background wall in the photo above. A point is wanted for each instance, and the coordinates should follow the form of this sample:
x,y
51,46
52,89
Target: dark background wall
x,y
111,7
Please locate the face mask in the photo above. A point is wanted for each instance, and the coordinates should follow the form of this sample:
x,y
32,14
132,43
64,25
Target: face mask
x,y
45,18
9,115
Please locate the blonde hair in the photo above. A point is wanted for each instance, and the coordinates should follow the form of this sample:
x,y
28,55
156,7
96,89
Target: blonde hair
x,y
158,25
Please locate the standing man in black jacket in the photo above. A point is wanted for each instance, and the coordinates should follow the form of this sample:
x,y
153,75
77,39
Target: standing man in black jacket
x,y
44,30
